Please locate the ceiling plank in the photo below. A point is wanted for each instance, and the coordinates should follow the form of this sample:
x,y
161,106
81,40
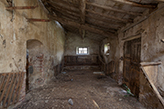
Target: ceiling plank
x,y
103,25
63,5
114,9
128,2
109,16
65,11
83,26
106,20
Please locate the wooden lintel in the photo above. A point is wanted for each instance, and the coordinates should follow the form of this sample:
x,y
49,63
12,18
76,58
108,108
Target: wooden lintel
x,y
21,7
109,16
37,20
136,4
83,26
114,9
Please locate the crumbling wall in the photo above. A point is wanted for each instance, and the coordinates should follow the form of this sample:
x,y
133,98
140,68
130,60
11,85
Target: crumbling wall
x,y
15,30
151,32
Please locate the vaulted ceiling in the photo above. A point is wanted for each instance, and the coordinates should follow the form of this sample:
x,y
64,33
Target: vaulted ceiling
x,y
103,17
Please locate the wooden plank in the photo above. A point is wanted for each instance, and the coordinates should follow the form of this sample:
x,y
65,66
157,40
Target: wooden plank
x,y
153,87
109,16
20,86
5,87
64,10
128,2
114,9
63,5
150,63
4,76
9,89
105,20
12,90
17,86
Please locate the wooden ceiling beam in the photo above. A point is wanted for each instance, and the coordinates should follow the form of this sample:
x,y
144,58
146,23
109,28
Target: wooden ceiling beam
x,y
109,16
114,9
82,9
83,26
128,2
82,16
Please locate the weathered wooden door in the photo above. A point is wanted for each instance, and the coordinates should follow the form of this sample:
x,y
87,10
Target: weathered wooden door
x,y
132,54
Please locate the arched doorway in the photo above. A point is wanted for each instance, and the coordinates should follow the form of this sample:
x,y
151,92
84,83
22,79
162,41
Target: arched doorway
x,y
34,63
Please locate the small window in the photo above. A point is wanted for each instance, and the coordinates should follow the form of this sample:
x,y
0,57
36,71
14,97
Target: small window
x,y
106,48
82,50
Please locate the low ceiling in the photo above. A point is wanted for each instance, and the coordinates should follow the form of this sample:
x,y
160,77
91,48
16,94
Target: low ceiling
x,y
101,18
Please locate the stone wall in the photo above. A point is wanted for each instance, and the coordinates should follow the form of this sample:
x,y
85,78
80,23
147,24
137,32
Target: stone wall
x,y
15,31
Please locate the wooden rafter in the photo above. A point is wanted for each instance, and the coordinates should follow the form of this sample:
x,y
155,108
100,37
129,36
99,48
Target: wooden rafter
x,y
136,4
114,9
83,26
109,16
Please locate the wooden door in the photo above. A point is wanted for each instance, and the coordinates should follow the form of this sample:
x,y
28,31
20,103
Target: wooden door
x,y
131,72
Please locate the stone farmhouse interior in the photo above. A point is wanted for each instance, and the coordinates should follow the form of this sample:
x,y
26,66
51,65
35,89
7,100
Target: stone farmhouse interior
x,y
82,54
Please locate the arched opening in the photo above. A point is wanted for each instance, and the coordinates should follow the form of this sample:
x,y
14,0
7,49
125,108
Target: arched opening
x,y
34,63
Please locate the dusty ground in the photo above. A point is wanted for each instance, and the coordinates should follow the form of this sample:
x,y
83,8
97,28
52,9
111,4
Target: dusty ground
x,y
85,89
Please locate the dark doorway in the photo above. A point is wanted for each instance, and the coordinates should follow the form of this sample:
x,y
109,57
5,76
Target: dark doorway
x,y
132,54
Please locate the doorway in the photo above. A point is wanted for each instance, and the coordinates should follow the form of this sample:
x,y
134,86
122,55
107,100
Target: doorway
x,y
34,62
131,69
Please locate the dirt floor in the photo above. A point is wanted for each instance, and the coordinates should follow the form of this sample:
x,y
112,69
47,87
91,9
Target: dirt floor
x,y
80,90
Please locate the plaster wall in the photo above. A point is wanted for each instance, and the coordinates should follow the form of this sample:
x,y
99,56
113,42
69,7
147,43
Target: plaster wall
x,y
15,31
74,40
